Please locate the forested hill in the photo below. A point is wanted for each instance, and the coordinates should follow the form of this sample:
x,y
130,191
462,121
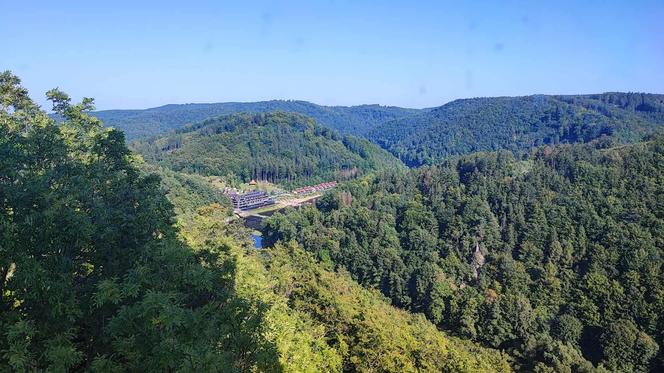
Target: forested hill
x,y
279,147
155,121
95,277
518,124
557,259
427,135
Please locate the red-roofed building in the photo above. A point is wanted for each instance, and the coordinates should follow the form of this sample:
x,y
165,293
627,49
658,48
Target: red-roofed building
x,y
315,188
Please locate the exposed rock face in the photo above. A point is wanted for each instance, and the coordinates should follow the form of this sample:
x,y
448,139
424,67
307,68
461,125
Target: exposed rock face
x,y
478,260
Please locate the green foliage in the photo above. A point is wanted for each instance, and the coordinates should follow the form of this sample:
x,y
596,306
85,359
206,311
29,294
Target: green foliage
x,y
626,348
368,333
93,275
518,124
568,329
189,192
543,257
278,147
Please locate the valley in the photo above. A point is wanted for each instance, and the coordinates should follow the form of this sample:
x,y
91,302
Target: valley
x,y
415,234
491,234
360,226
332,186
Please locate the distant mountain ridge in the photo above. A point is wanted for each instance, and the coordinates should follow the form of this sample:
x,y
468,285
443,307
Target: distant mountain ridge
x,y
426,136
159,120
518,124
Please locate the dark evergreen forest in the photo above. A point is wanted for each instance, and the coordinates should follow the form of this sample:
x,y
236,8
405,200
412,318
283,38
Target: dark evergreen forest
x,y
555,257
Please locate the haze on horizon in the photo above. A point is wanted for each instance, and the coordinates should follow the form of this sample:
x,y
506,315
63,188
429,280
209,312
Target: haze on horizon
x,y
130,56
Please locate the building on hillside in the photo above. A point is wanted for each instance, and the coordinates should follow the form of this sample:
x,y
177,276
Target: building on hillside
x,y
253,182
250,200
315,188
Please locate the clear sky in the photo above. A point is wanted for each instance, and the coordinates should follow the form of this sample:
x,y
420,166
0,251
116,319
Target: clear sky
x,y
138,54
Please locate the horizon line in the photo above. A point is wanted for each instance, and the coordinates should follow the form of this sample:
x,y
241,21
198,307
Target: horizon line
x,y
373,104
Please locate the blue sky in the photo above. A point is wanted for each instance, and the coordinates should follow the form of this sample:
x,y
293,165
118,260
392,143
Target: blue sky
x,y
138,54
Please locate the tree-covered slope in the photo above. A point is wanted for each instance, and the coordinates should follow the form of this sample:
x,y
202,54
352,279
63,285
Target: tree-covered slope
x,y
369,333
155,121
279,147
556,259
518,124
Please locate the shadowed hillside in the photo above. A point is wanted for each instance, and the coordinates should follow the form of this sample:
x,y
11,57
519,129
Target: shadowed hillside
x,y
518,124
